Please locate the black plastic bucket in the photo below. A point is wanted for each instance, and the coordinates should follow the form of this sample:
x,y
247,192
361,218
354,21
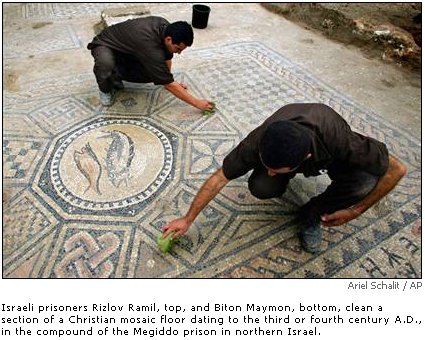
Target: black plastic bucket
x,y
200,16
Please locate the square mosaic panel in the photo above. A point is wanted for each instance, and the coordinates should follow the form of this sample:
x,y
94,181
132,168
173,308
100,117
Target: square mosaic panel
x,y
50,37
64,10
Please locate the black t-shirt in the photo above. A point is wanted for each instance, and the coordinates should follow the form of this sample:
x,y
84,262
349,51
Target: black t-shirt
x,y
142,38
335,146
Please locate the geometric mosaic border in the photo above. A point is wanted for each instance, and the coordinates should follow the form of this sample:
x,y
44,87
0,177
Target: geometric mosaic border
x,y
236,235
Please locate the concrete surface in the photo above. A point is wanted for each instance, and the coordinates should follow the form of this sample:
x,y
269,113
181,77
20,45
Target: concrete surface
x,y
253,59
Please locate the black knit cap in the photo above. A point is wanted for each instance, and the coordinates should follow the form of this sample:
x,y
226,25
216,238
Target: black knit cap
x,y
284,144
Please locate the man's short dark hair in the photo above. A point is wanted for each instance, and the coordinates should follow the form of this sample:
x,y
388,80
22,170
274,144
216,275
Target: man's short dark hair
x,y
285,144
180,32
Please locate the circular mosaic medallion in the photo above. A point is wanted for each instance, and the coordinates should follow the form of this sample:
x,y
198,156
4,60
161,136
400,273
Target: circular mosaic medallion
x,y
111,164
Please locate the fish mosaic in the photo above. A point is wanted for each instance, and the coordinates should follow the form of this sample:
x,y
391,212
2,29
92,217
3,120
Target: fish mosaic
x,y
89,165
119,156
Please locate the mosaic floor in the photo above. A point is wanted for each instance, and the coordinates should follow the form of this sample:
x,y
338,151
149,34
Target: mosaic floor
x,y
86,189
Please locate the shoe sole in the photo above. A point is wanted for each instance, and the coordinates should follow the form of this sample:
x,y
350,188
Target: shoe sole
x,y
310,250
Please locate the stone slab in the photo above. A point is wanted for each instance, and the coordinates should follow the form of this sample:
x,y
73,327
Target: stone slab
x,y
112,16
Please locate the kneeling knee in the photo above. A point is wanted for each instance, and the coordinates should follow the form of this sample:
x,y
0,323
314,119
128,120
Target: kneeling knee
x,y
262,192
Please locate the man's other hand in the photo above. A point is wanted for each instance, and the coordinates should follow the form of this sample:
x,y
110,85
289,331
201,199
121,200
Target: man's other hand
x,y
339,217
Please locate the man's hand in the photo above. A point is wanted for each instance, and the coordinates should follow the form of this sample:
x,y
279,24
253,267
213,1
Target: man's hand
x,y
203,104
178,226
339,217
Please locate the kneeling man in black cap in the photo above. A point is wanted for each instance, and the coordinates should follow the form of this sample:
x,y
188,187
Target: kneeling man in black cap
x,y
311,139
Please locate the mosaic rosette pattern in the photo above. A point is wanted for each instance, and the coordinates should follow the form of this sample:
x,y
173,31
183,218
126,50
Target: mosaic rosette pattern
x,y
93,189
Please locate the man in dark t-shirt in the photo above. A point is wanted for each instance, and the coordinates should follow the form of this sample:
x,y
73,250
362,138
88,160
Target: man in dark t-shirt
x,y
311,139
141,50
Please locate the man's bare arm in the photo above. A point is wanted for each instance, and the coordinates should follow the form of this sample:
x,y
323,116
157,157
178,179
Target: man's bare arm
x,y
169,63
208,191
396,170
180,92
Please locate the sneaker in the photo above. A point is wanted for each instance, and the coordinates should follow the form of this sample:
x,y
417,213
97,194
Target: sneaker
x,y
310,234
311,238
107,99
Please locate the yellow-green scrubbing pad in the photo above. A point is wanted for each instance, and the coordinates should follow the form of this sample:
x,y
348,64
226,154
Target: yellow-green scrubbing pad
x,y
165,244
209,112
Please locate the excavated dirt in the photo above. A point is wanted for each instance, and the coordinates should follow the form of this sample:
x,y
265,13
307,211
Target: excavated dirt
x,y
388,31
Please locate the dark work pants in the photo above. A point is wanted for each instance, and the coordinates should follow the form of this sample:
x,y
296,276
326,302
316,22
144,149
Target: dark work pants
x,y
110,66
347,188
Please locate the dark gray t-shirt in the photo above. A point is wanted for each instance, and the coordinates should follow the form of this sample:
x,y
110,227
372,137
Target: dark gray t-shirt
x,y
335,146
142,38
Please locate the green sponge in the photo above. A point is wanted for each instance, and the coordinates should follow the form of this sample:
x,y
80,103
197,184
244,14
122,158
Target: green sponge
x,y
165,244
209,112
